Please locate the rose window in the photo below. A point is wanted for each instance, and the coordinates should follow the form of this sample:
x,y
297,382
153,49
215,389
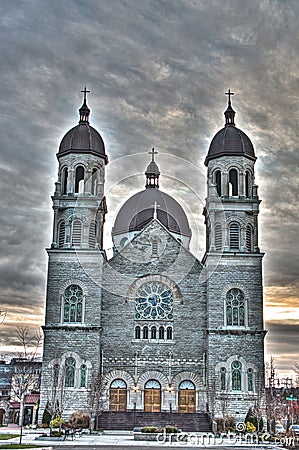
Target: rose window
x,y
154,301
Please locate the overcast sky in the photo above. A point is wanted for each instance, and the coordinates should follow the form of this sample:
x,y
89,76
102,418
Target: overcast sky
x,y
157,71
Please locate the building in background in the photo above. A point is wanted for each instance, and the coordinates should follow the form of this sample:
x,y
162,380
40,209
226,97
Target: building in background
x,y
154,335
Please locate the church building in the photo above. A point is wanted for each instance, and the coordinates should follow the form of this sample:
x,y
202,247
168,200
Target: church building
x,y
154,335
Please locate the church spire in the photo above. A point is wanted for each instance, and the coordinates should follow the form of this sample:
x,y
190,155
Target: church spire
x,y
229,113
152,172
84,111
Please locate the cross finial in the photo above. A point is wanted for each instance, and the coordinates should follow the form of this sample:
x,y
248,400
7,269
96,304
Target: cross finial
x,y
230,94
155,205
153,153
85,91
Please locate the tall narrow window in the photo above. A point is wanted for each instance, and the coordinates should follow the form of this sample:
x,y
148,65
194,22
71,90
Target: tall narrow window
x,y
153,333
83,377
154,247
56,370
235,308
94,179
70,367
76,233
234,236
218,182
92,235
218,237
64,180
236,376
169,333
161,333
249,238
223,378
233,183
79,180
61,233
137,332
73,304
145,333
247,184
250,379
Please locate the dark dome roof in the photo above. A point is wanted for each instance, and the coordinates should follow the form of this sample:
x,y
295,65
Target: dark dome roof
x,y
152,168
138,211
83,137
230,141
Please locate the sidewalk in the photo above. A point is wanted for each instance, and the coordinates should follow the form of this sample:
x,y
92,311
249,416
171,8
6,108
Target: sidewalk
x,y
126,438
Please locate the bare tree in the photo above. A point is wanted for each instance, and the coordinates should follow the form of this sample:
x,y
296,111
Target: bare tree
x,y
97,397
26,373
56,391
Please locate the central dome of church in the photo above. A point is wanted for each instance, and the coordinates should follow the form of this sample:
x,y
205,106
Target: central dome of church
x,y
147,204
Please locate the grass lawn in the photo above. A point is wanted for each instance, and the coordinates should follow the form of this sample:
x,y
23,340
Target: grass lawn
x,y
20,446
4,436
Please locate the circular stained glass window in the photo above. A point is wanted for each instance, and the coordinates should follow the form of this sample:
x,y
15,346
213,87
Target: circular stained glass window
x,y
154,301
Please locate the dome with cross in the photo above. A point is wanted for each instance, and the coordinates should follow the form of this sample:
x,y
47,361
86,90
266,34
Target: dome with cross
x,y
230,140
149,204
83,137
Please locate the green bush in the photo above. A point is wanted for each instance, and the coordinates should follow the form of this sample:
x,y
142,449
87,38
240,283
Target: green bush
x,y
55,423
171,429
79,419
150,429
46,418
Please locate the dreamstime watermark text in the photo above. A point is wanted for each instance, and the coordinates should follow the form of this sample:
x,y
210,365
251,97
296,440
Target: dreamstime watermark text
x,y
230,439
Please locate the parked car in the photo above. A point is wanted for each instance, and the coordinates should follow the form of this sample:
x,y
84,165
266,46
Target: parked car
x,y
294,429
279,429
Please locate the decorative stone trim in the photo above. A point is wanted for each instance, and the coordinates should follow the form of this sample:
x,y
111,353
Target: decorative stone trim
x,y
177,295
116,374
190,376
152,375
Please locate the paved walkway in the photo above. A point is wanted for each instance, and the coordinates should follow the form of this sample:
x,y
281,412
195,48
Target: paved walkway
x,y
126,438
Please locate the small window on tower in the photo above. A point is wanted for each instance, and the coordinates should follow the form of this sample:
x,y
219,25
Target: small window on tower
x,y
92,235
218,237
249,238
233,183
234,236
61,233
94,180
64,181
79,182
218,182
76,233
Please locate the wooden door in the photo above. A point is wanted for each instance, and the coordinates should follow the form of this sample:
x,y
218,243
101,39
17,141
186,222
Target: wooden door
x,y
152,400
118,399
187,400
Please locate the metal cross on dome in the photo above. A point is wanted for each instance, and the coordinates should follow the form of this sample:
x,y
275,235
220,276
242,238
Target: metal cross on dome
x,y
153,153
230,94
85,91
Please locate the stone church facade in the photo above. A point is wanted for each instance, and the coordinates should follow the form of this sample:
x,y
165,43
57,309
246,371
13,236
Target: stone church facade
x,y
154,329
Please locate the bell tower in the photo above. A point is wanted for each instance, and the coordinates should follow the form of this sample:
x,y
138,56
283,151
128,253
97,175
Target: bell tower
x,y
233,263
74,293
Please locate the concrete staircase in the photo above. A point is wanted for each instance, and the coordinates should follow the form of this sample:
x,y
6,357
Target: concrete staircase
x,y
128,420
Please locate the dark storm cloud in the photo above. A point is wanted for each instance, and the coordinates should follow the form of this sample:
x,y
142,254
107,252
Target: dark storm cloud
x,y
157,71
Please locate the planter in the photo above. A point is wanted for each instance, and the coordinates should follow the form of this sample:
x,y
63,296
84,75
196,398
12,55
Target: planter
x,y
49,438
155,437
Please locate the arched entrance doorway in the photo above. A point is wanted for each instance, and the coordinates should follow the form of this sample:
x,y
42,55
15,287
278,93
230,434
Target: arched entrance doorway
x,y
187,397
118,395
152,396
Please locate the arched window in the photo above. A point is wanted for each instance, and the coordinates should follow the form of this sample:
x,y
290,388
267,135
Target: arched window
x,y
169,333
73,304
153,333
154,301
94,179
223,378
118,395
137,332
234,236
145,333
61,233
218,237
76,233
235,308
236,376
70,368
250,379
233,183
218,182
83,375
92,235
64,181
249,238
79,180
161,333
247,184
